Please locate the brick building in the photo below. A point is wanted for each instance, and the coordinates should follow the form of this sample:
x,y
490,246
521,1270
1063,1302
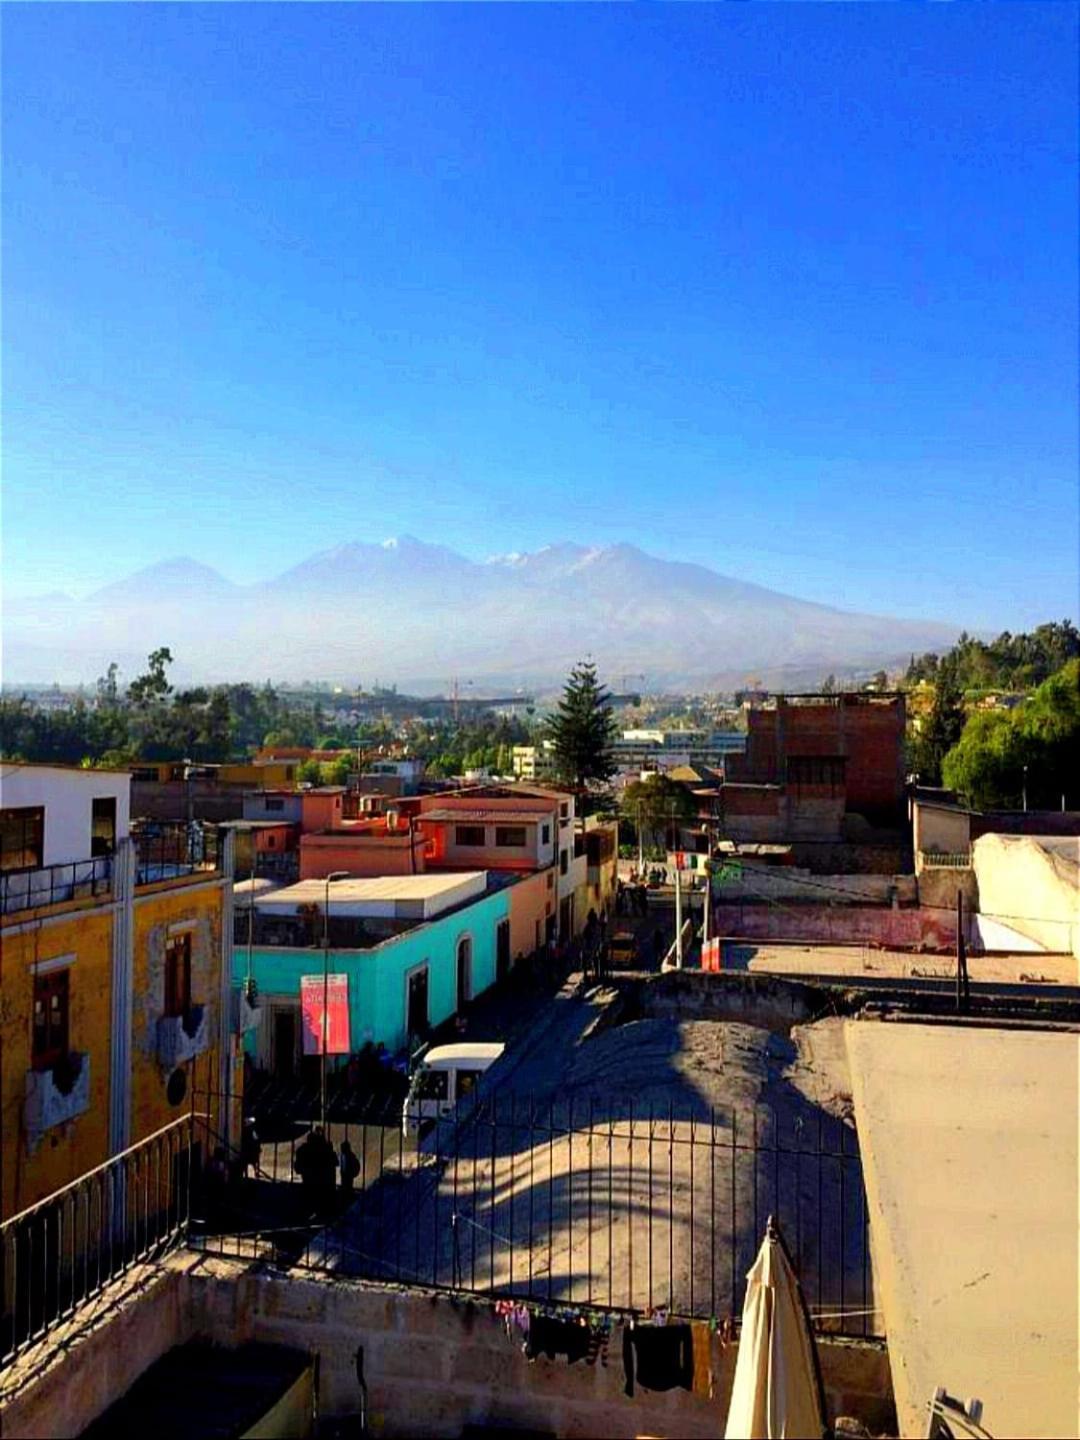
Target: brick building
x,y
822,746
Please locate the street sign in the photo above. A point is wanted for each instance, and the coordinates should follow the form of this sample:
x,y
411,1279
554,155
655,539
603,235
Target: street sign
x,y
336,988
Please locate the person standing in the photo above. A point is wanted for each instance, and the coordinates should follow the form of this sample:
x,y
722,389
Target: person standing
x,y
348,1167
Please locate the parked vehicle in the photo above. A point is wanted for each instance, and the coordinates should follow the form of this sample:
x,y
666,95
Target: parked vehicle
x,y
444,1076
622,951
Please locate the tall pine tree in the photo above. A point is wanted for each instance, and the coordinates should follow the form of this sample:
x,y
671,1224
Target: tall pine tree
x,y
582,730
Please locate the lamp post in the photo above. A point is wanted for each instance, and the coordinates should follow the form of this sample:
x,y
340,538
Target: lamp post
x,y
1025,768
334,875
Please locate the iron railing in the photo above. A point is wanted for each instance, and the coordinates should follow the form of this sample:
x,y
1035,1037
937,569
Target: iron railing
x,y
601,1203
945,860
55,884
169,849
59,1255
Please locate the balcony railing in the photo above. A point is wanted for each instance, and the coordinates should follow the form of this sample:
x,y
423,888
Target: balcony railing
x,y
55,884
61,1254
945,860
169,850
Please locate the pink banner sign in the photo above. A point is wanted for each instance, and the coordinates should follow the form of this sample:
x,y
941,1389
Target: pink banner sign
x,y
336,989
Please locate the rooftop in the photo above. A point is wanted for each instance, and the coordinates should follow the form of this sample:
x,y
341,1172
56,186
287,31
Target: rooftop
x,y
526,814
969,1144
419,896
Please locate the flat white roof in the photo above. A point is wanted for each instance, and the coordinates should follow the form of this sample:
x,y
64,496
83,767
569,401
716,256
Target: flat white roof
x,y
456,1054
387,896
969,1146
243,890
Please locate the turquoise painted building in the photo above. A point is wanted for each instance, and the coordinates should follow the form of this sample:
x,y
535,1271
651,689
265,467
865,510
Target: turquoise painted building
x,y
421,974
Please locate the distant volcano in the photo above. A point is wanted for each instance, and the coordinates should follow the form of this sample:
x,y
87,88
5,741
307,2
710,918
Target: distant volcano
x,y
403,609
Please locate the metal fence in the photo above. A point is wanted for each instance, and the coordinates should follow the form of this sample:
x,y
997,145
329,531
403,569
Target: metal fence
x,y
167,849
599,1203
60,1255
54,884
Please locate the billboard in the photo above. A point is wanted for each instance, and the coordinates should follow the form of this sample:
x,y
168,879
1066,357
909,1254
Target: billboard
x,y
336,989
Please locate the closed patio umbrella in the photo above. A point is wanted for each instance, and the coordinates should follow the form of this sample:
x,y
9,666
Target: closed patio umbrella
x,y
777,1390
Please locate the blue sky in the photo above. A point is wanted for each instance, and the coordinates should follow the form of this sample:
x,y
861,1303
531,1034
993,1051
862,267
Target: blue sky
x,y
790,291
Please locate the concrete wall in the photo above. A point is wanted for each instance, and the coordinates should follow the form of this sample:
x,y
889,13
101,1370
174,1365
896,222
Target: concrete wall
x,y
532,899
936,827
432,1365
148,1313
761,882
366,853
68,797
1031,889
840,924
938,887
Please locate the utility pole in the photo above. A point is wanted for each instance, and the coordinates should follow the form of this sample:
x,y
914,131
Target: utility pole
x,y
963,993
334,875
678,917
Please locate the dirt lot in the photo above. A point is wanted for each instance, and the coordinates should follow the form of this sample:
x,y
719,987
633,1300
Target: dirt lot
x,y
635,1169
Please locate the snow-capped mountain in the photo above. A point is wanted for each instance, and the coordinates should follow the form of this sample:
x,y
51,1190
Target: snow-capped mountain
x,y
401,609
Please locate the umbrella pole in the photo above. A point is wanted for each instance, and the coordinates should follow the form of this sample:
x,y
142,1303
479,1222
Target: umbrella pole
x,y
773,1231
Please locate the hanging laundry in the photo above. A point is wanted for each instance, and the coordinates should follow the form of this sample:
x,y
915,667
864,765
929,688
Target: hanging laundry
x,y
553,1337
701,1332
661,1355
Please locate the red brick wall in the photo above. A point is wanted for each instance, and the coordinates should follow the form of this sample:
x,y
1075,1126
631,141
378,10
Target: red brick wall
x,y
869,734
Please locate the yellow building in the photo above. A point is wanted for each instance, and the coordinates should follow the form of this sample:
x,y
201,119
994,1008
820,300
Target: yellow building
x,y
114,983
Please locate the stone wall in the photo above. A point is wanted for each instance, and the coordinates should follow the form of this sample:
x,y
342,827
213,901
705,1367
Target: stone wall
x,y
434,1364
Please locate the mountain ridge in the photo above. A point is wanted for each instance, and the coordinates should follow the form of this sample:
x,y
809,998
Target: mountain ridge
x,y
406,607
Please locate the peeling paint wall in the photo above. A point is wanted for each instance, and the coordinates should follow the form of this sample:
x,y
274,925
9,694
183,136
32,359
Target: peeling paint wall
x,y
69,1149
157,912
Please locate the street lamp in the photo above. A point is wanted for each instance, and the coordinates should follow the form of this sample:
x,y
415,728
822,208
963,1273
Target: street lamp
x,y
334,875
1025,768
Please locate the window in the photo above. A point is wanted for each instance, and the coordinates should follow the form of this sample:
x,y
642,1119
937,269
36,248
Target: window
x,y
464,971
564,861
816,770
510,837
551,879
564,810
469,835
50,1042
178,974
416,1019
467,1081
103,825
545,835
275,805
22,838
432,1085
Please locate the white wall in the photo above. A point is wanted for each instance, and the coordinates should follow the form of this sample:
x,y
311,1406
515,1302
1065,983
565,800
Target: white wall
x,y
67,795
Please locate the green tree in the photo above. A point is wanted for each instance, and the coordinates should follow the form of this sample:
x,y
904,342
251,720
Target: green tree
x,y
582,730
1034,748
309,772
152,687
657,805
942,728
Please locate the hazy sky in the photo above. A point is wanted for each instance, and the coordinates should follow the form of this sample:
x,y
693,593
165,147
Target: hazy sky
x,y
787,290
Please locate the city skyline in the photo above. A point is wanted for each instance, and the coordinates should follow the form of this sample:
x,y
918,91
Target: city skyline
x,y
792,296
